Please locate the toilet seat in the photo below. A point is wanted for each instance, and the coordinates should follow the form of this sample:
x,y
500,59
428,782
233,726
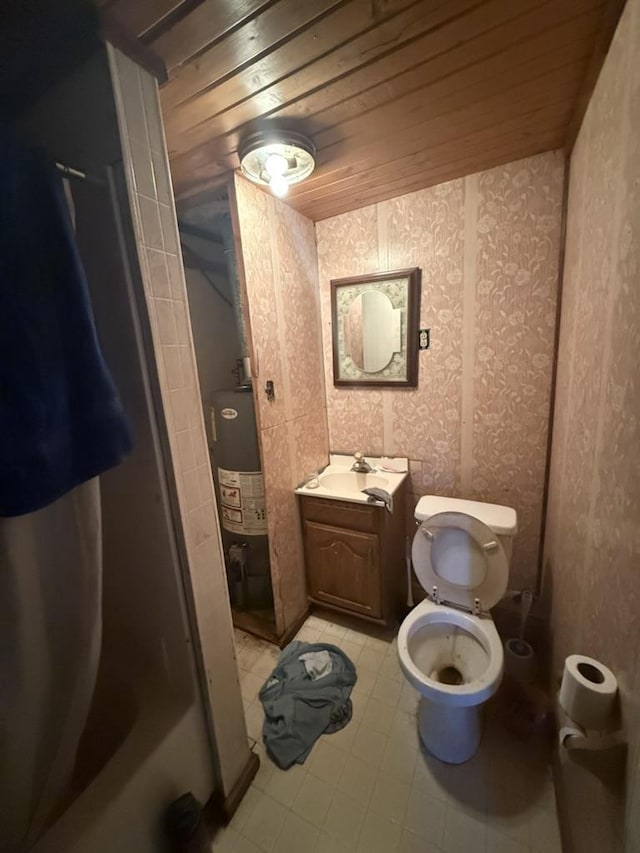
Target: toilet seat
x,y
460,561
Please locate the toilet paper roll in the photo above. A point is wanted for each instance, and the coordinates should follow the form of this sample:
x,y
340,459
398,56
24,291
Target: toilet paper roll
x,y
588,691
519,660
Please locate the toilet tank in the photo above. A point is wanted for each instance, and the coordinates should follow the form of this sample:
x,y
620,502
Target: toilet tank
x,y
503,520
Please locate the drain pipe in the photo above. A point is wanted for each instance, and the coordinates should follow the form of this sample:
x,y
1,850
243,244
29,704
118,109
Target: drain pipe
x,y
238,558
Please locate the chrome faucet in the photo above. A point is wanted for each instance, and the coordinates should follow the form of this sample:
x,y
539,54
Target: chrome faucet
x,y
361,466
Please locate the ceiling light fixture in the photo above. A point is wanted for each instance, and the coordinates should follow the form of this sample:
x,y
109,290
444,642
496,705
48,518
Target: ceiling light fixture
x,y
277,159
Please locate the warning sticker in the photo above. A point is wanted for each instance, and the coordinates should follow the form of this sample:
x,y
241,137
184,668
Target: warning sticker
x,y
242,499
231,516
230,496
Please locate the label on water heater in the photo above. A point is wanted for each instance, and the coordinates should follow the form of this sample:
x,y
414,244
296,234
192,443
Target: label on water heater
x,y
229,414
242,502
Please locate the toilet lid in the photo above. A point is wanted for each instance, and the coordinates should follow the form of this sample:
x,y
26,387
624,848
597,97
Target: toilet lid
x,y
463,558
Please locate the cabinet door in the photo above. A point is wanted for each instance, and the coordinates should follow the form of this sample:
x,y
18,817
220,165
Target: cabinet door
x,y
343,568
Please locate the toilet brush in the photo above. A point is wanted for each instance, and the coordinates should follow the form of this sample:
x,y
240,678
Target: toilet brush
x,y
526,600
409,567
519,657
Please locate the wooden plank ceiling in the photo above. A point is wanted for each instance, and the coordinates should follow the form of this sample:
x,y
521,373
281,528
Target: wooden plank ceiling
x,y
396,94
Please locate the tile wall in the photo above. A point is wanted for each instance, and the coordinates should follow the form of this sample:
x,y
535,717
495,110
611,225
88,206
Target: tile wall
x,y
592,554
280,270
153,210
476,426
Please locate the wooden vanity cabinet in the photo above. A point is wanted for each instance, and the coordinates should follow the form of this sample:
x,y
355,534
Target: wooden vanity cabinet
x,y
354,556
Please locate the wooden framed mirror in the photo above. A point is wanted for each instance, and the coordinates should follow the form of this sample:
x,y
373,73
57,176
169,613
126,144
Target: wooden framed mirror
x,y
375,329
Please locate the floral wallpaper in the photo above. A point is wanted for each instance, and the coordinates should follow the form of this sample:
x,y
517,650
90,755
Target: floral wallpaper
x,y
426,230
477,425
592,549
281,276
517,251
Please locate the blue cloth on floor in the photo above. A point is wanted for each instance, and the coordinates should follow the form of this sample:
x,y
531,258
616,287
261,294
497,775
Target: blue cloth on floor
x,y
61,421
299,707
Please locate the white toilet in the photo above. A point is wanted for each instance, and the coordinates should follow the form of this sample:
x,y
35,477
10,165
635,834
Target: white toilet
x,y
448,645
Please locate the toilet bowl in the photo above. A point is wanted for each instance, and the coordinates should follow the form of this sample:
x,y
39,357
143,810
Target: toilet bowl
x,y
448,646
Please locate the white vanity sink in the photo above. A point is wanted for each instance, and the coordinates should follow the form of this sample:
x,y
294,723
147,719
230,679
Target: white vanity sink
x,y
348,481
339,482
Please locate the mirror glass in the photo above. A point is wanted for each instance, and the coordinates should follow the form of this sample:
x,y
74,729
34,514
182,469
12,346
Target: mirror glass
x,y
372,331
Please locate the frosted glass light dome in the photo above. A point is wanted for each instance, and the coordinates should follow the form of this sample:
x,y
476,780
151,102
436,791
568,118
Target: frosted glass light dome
x,y
277,159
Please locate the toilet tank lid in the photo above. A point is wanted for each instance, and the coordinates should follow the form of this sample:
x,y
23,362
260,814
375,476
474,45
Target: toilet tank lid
x,y
503,520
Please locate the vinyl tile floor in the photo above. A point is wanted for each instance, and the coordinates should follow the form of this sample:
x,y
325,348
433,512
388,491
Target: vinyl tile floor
x,y
370,787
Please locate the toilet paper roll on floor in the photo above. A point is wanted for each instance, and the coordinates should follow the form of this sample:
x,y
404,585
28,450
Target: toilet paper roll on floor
x,y
588,691
519,660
